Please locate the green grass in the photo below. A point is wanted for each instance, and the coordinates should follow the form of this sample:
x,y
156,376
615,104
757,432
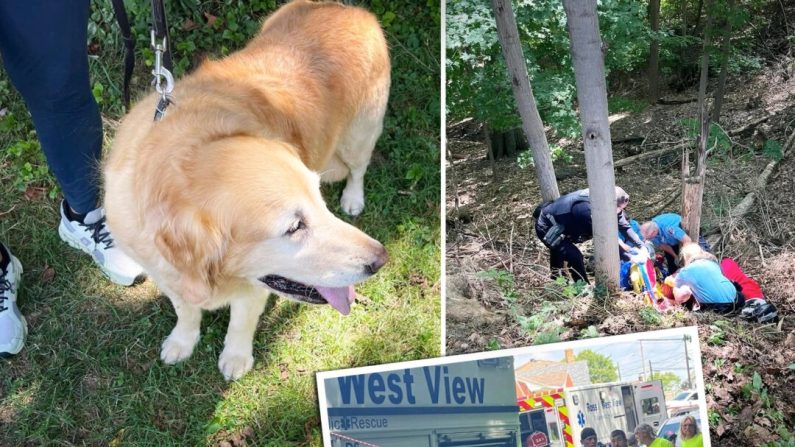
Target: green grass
x,y
90,372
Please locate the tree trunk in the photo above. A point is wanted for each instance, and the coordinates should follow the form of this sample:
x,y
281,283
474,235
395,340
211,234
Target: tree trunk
x,y
521,141
724,64
654,50
693,183
509,137
684,18
698,15
531,121
497,144
692,197
592,97
490,144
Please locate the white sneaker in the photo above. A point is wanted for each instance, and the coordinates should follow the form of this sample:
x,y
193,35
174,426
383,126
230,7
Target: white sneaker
x,y
93,237
13,327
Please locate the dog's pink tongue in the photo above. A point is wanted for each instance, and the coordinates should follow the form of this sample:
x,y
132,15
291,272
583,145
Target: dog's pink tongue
x,y
339,298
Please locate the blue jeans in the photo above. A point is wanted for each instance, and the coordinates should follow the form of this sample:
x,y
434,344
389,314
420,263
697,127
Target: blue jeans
x,y
44,50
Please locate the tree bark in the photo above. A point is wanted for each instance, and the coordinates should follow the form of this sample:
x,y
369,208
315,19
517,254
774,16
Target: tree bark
x,y
654,50
684,18
490,144
521,141
520,82
698,15
724,64
497,144
693,183
509,139
592,97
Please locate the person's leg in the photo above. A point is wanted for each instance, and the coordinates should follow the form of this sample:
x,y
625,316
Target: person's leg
x,y
573,256
556,259
43,45
13,328
704,244
671,261
555,256
44,51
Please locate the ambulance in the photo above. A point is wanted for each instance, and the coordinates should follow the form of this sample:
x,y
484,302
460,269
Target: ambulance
x,y
466,404
555,418
616,406
544,420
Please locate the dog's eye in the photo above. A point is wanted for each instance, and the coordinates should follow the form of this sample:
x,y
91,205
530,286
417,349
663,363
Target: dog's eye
x,y
297,225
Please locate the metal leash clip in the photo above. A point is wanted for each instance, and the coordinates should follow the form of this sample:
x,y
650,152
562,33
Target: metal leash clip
x,y
160,72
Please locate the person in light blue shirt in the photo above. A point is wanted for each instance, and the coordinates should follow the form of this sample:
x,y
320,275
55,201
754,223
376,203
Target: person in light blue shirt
x,y
702,280
666,233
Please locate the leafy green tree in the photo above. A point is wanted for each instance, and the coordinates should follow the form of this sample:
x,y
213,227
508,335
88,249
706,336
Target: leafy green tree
x,y
670,381
477,79
600,367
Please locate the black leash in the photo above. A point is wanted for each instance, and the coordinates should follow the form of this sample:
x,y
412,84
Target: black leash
x,y
161,46
163,63
129,47
161,31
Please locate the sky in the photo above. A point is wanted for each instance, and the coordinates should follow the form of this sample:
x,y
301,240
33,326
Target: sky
x,y
665,353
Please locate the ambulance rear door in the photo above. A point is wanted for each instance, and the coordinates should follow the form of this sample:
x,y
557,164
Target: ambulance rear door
x,y
650,403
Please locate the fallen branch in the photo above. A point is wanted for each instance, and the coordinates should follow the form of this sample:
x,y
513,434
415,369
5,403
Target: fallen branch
x,y
650,154
750,125
629,139
745,205
676,193
672,102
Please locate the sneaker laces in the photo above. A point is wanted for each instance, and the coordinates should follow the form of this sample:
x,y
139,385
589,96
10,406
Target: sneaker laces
x,y
100,233
5,285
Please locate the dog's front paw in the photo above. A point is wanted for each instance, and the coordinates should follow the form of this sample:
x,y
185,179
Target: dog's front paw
x,y
352,201
235,365
177,348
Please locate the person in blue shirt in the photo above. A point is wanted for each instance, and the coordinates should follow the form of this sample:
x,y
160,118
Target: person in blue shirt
x,y
573,212
666,233
702,280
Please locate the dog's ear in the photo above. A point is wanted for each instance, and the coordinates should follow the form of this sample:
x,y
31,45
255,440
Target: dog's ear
x,y
194,245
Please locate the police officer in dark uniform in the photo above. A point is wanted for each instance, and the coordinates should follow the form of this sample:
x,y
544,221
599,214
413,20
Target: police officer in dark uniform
x,y
567,221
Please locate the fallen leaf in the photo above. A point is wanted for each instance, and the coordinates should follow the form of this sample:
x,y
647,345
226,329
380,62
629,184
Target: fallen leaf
x,y
34,193
189,25
721,394
47,275
210,18
747,416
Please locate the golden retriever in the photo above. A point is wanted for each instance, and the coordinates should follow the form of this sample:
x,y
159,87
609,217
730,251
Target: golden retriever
x,y
220,200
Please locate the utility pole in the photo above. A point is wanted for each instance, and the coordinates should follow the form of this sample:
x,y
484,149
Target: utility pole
x,y
642,360
687,362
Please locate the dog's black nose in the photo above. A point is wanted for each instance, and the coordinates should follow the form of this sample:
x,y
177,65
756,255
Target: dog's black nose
x,y
380,259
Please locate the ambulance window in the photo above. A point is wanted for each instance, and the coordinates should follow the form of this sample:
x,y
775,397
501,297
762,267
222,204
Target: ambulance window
x,y
575,400
537,420
650,406
524,420
553,432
